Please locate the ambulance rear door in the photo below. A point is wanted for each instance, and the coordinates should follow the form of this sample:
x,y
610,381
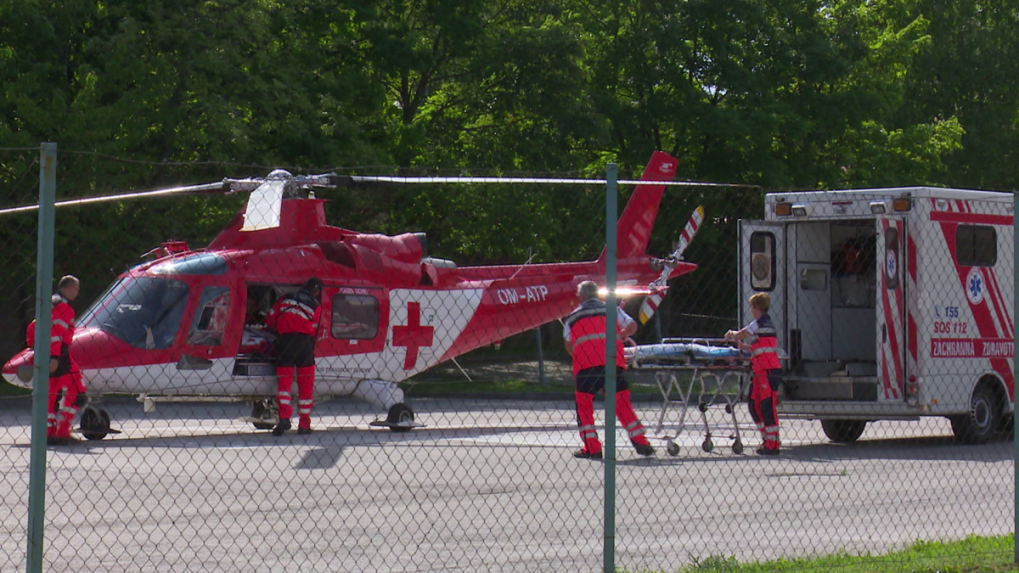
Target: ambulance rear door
x,y
891,308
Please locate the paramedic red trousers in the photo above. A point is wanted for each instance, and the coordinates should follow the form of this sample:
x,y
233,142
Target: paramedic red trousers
x,y
589,382
296,356
763,403
62,403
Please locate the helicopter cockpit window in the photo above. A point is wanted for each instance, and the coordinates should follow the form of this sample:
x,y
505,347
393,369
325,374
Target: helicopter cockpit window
x,y
209,324
144,312
197,264
355,316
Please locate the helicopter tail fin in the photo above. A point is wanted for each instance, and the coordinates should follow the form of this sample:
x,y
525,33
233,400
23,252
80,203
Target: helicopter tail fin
x,y
639,215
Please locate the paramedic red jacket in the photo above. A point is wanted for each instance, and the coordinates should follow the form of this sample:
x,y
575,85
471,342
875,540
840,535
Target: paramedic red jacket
x,y
295,313
587,331
764,347
61,334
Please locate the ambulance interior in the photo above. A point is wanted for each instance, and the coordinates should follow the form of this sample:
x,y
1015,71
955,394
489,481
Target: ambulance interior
x,y
831,311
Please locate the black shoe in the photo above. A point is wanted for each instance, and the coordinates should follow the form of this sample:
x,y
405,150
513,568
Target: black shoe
x,y
303,431
586,455
281,427
767,452
644,449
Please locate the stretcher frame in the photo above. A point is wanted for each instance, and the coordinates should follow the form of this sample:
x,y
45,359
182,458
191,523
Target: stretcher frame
x,y
709,381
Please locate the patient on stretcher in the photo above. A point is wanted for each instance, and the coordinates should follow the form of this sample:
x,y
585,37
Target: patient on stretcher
x,y
679,352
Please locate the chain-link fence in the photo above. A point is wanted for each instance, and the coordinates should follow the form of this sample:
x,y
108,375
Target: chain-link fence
x,y
443,418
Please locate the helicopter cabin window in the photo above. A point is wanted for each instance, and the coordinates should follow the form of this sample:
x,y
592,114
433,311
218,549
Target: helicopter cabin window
x,y
355,316
209,323
976,245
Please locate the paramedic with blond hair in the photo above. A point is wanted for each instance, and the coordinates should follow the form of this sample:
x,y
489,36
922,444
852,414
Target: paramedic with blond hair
x,y
761,340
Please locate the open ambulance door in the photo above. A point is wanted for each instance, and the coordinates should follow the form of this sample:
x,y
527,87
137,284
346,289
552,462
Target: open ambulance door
x,y
762,269
891,308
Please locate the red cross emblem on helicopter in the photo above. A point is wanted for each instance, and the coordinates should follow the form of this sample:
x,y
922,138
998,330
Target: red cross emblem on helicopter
x,y
412,336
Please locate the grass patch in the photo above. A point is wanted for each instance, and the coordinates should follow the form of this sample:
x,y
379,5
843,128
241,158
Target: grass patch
x,y
971,555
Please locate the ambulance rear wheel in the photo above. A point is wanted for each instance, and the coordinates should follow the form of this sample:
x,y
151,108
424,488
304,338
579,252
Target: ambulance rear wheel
x,y
981,423
95,423
843,431
400,417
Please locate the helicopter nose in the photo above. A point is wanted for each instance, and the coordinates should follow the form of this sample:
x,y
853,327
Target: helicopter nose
x,y
18,370
92,348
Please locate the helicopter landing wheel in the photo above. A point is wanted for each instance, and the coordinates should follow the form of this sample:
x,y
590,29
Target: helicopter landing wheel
x,y
264,410
400,418
95,423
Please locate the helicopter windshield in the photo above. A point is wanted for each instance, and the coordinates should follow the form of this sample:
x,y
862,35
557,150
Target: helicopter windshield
x,y
144,312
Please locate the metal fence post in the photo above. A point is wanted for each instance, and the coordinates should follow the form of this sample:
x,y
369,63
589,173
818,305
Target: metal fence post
x,y
40,371
610,369
1015,373
541,358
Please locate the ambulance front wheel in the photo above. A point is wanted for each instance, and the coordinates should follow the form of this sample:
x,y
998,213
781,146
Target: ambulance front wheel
x,y
981,423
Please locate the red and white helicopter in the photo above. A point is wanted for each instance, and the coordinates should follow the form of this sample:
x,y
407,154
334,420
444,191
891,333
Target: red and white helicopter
x,y
189,324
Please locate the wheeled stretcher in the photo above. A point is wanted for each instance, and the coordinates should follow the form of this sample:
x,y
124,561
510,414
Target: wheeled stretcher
x,y
701,372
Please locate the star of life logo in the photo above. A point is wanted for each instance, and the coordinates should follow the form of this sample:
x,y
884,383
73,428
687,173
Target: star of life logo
x,y
975,286
891,265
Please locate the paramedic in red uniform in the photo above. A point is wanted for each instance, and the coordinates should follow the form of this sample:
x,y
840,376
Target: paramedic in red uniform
x,y
760,338
295,317
584,334
65,377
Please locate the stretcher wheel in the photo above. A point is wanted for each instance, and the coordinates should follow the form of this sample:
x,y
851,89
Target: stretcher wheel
x,y
708,445
728,408
672,448
703,407
737,447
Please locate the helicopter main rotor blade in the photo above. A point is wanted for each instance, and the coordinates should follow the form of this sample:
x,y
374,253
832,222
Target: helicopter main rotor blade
x,y
223,186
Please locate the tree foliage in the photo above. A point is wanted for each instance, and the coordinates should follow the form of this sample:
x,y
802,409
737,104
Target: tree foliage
x,y
775,93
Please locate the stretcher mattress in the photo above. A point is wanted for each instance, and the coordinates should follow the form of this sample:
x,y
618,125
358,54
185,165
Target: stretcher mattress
x,y
678,353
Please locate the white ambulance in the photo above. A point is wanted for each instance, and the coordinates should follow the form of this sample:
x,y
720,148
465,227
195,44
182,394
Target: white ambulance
x,y
892,304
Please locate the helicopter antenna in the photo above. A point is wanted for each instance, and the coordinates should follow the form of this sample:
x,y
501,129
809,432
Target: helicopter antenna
x,y
527,262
